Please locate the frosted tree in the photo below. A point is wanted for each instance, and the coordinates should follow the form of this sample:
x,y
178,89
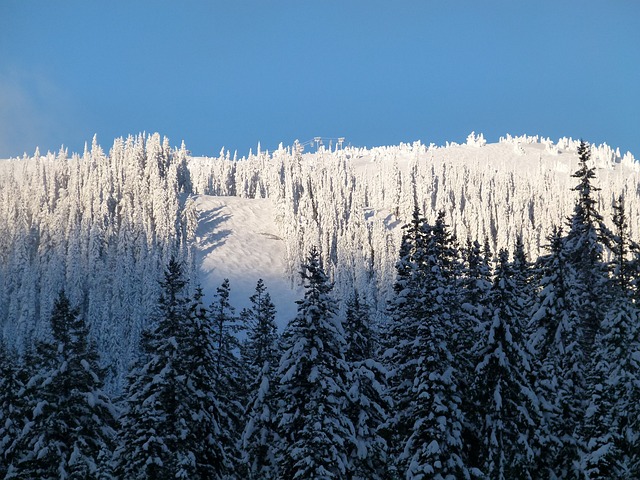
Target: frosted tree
x,y
262,332
171,426
554,337
585,253
316,434
434,449
232,381
260,357
611,427
428,418
474,285
70,429
369,403
13,405
508,407
402,351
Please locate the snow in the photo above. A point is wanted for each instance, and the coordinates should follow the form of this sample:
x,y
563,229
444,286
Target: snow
x,y
237,238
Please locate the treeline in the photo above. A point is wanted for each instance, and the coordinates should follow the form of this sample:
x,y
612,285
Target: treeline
x,y
488,366
101,226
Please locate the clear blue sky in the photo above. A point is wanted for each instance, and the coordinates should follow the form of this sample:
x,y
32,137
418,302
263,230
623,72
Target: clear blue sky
x,y
234,73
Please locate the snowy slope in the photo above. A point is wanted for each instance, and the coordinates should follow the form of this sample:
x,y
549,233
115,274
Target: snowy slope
x,y
352,202
237,238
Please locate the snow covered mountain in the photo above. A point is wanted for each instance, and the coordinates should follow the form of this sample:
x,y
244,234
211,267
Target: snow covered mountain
x,y
104,225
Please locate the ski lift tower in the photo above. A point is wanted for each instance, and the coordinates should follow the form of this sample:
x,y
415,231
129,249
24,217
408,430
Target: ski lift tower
x,y
340,142
318,141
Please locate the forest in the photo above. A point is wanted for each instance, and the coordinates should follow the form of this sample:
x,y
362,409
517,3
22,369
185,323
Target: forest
x,y
453,324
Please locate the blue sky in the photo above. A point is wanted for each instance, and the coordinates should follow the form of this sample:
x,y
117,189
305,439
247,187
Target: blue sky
x,y
235,73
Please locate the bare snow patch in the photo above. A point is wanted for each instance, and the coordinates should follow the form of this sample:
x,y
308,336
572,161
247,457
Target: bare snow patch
x,y
238,238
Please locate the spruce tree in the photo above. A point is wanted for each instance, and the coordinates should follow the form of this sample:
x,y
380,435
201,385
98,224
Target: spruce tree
x,y
70,429
12,406
434,448
428,418
584,251
316,434
262,333
508,406
171,426
369,404
231,381
611,426
260,358
474,285
554,340
402,350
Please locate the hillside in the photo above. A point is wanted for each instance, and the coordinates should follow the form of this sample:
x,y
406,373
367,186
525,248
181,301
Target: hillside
x,y
104,225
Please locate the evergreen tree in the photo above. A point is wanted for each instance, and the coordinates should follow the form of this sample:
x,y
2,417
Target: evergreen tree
x,y
70,428
316,433
402,351
213,443
429,419
523,275
584,251
369,403
508,405
554,336
611,427
434,449
260,356
12,406
171,423
474,285
231,381
262,332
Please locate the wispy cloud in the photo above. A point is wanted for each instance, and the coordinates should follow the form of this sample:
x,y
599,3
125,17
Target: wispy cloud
x,y
33,112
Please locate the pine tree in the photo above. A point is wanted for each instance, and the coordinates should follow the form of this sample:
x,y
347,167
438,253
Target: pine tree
x,y
12,406
509,407
429,417
402,351
262,332
611,427
434,448
369,404
585,253
211,441
312,375
172,423
70,429
554,334
474,285
260,357
231,381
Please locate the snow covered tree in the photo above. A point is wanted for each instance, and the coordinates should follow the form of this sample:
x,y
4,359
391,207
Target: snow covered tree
x,y
231,381
434,449
402,351
508,407
523,274
428,417
554,335
316,434
213,442
70,429
12,405
585,253
262,333
474,286
171,421
369,403
260,357
611,428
